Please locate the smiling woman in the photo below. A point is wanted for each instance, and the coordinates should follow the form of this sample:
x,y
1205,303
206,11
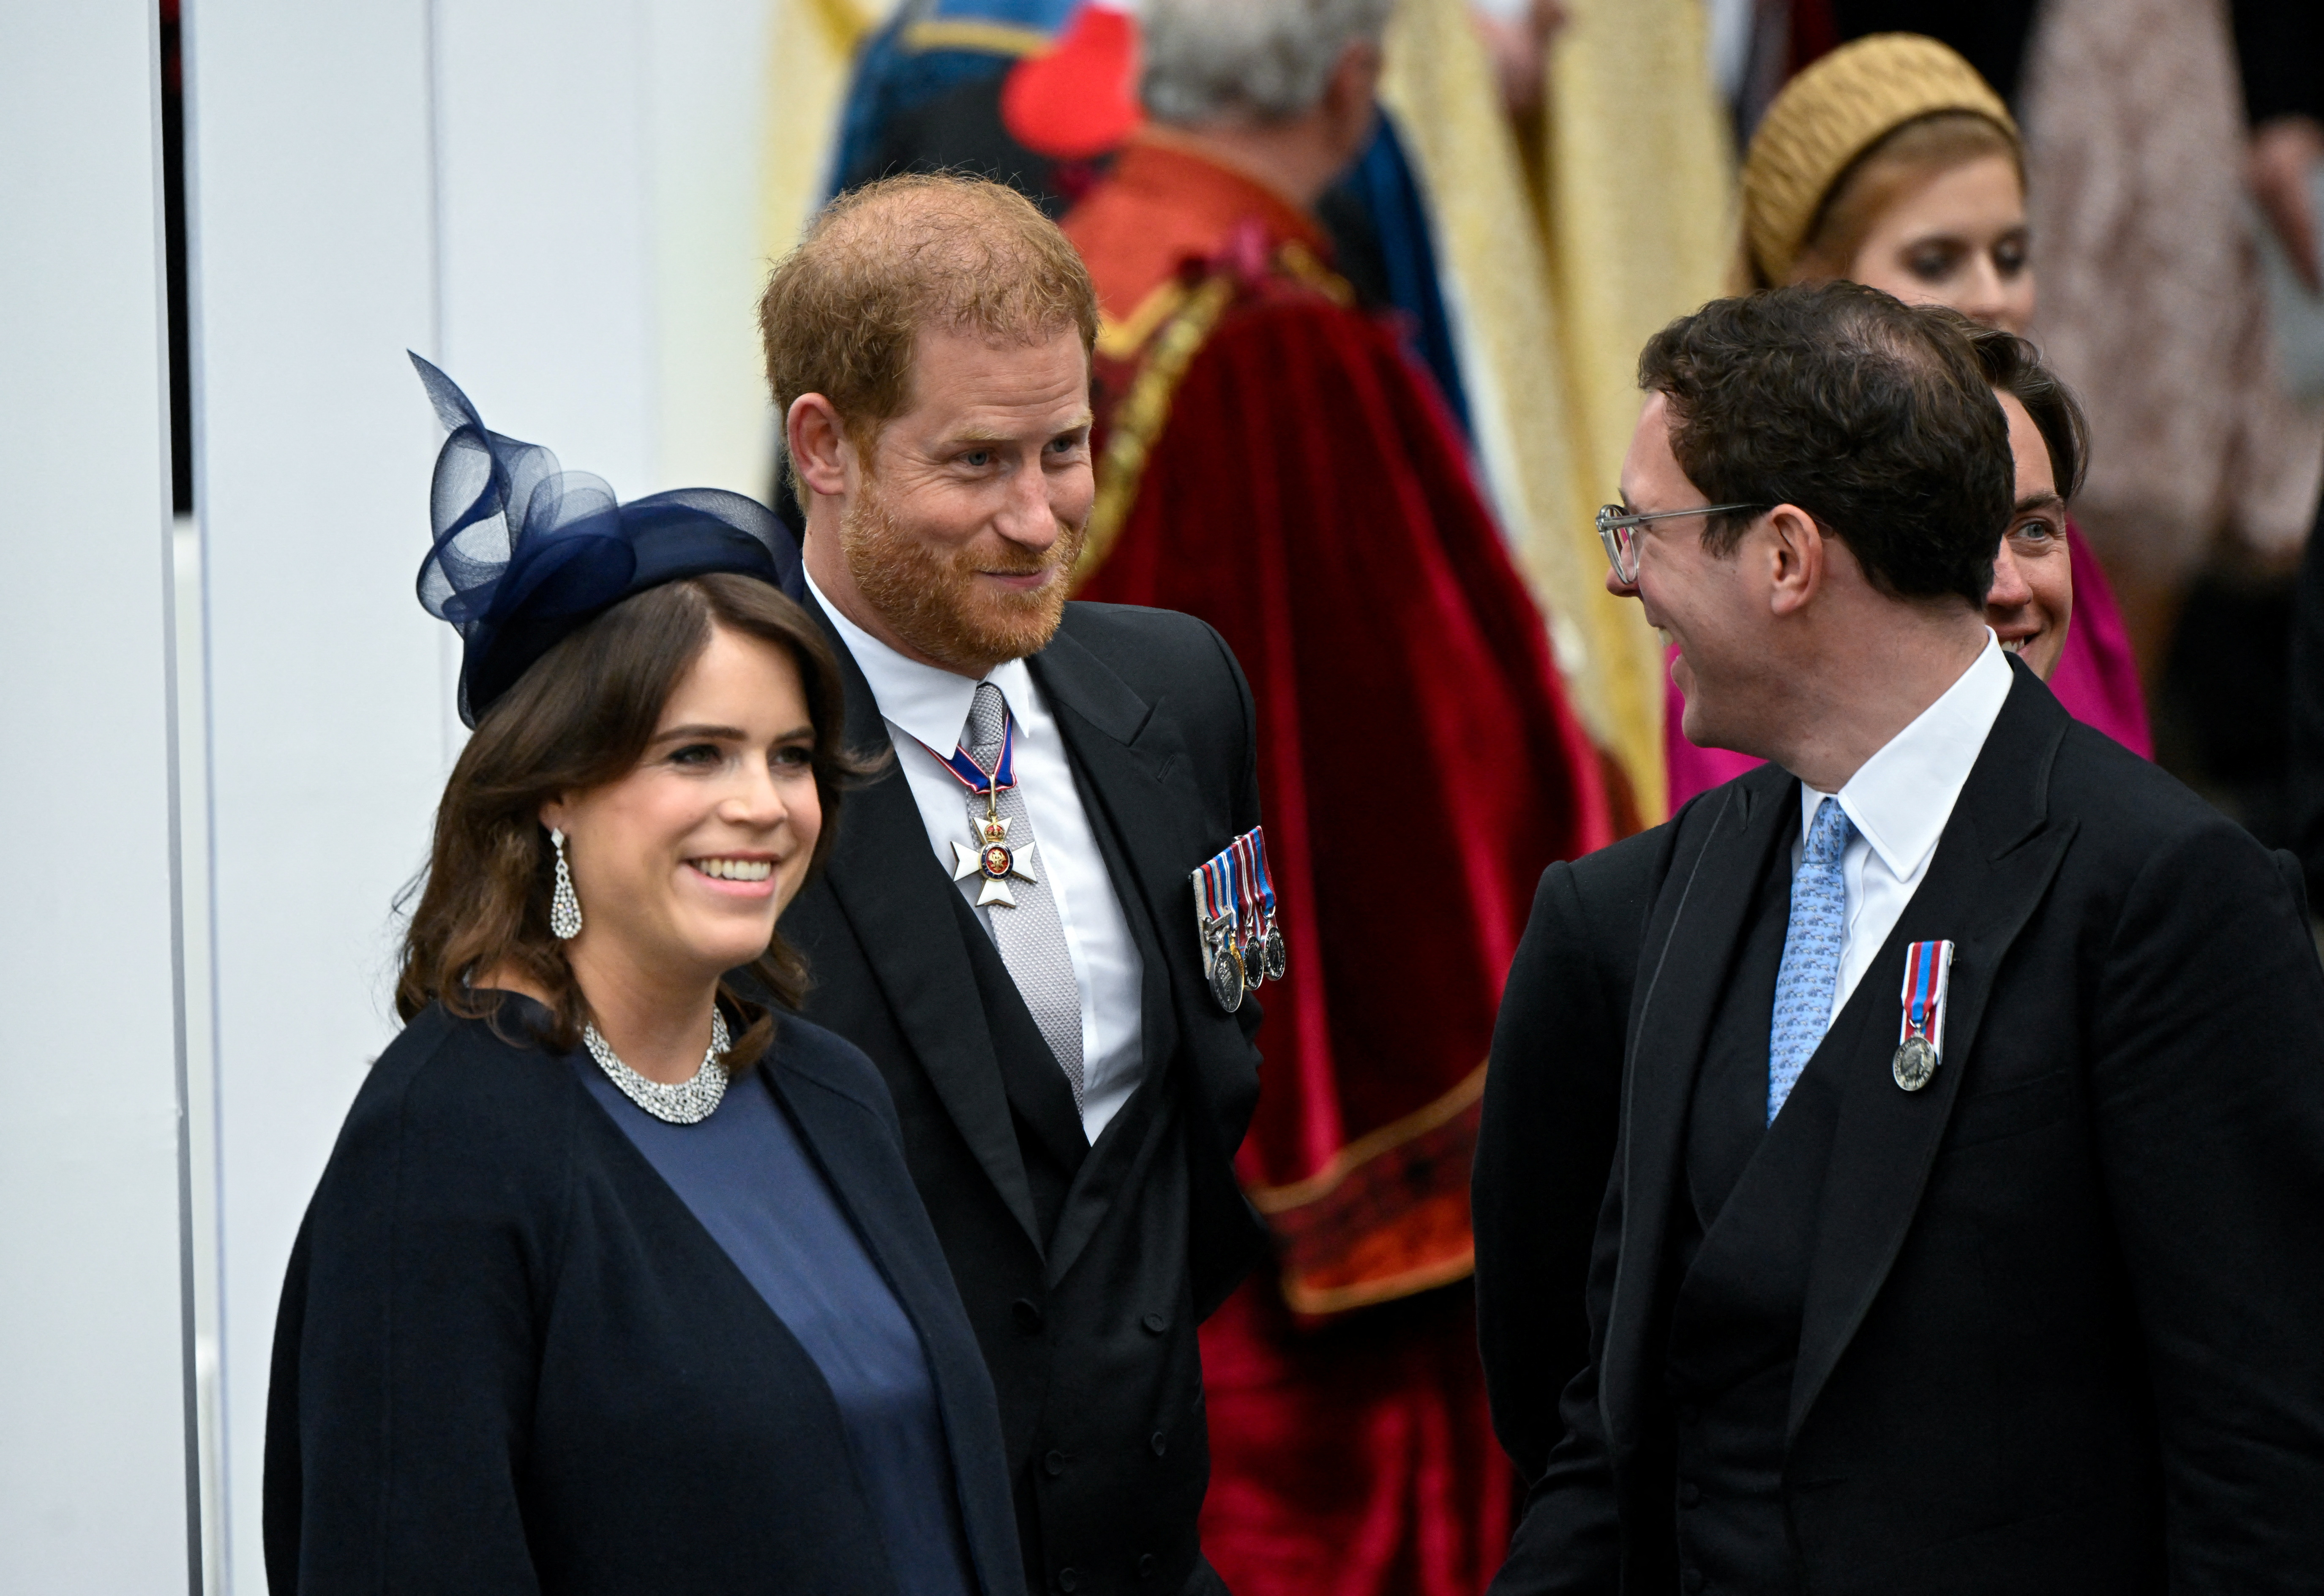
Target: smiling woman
x,y
675,742
616,1280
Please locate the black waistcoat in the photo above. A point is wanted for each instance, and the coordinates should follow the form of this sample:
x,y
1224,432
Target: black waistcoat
x,y
1744,1240
1120,1440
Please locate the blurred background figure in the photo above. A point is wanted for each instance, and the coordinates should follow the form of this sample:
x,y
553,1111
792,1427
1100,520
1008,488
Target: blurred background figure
x,y
1273,459
1890,162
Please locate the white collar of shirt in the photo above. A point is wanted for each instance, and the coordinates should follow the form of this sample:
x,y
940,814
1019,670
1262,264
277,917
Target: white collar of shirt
x,y
1901,797
925,702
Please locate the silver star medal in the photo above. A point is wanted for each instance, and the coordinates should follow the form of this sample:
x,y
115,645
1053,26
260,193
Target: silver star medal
x,y
993,859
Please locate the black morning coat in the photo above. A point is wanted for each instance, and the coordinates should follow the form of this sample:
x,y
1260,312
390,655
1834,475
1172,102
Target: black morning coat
x,y
1086,1270
509,1359
2056,1321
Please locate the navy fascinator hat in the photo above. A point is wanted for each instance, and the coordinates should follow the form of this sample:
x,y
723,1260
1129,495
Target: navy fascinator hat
x,y
525,552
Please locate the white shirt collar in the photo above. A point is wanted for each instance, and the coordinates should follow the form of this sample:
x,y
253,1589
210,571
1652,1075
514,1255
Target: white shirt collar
x,y
1901,797
925,702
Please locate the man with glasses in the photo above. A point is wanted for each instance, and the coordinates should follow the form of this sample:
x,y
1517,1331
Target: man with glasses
x,y
1962,1231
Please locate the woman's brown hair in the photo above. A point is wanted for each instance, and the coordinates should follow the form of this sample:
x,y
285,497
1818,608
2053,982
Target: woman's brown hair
x,y
581,717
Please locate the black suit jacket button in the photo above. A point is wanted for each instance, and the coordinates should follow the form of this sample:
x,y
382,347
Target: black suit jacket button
x,y
1055,1465
1027,1314
1147,1564
1155,1323
1067,1580
1688,1494
1160,1443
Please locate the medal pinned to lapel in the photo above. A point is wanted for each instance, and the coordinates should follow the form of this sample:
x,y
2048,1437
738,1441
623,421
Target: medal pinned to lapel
x,y
993,858
1234,917
1920,1049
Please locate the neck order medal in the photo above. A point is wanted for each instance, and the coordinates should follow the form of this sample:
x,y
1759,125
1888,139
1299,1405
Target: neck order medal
x,y
993,858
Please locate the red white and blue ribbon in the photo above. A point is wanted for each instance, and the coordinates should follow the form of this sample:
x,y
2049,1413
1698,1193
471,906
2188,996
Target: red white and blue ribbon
x,y
974,776
1259,889
1234,885
1928,972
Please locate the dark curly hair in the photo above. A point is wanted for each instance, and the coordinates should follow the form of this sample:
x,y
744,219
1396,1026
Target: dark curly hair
x,y
581,717
2014,366
1872,416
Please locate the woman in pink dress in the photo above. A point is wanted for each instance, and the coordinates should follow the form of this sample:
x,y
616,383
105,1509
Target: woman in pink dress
x,y
1890,162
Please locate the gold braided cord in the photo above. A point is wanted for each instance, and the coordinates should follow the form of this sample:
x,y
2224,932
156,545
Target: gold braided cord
x,y
1143,412
973,33
1121,340
1526,402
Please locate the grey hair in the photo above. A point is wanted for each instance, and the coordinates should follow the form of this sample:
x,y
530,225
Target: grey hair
x,y
1247,60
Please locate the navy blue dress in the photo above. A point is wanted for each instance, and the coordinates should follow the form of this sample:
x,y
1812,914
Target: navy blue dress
x,y
745,1175
534,1343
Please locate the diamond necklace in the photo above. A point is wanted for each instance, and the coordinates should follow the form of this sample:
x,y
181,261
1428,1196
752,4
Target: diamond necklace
x,y
687,1103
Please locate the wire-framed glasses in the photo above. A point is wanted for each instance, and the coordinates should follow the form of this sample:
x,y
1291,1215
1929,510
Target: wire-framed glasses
x,y
1617,530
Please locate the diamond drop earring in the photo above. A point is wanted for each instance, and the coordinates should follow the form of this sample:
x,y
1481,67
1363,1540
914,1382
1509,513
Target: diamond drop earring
x,y
564,907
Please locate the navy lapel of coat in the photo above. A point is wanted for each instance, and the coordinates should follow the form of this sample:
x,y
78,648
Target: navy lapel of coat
x,y
1682,964
1994,862
894,894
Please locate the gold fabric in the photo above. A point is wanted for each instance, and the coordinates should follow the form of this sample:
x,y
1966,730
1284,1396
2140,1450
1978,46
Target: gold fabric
x,y
1833,113
1532,385
1640,201
810,51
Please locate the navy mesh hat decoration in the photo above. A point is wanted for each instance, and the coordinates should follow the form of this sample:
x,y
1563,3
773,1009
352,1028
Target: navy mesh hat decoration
x,y
525,552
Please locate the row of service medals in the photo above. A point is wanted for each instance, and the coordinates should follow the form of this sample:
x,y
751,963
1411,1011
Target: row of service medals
x,y
1235,914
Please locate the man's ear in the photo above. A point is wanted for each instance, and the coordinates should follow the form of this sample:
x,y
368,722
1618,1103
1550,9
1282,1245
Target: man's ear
x,y
1798,559
1350,90
818,445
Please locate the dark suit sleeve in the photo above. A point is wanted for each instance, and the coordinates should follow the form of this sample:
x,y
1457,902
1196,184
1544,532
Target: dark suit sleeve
x,y
404,1363
2207,1085
1551,1098
1568,1539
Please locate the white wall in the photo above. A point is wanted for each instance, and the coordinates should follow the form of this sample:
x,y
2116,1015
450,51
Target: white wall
x,y
94,1437
556,201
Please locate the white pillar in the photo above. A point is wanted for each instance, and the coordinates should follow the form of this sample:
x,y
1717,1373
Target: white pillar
x,y
313,235
94,1390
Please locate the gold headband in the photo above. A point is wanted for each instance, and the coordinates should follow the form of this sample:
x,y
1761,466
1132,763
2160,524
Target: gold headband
x,y
1829,114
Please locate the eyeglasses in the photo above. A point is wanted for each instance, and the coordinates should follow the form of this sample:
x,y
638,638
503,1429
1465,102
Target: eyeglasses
x,y
1616,527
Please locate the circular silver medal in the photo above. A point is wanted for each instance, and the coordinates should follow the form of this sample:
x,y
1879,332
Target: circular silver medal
x,y
1226,978
1254,963
1276,958
1915,1063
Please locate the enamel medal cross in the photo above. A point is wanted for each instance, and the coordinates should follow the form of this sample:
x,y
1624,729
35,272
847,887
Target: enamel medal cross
x,y
993,858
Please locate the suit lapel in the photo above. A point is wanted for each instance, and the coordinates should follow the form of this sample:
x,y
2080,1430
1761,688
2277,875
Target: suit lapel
x,y
1135,782
894,894
1687,950
1993,863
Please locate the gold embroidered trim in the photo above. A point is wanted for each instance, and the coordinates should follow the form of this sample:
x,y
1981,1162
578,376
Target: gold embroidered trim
x,y
1339,1300
1121,340
1279,1199
966,33
1144,412
1300,264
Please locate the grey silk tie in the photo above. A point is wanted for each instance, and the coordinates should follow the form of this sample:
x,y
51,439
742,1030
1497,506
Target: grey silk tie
x,y
1031,937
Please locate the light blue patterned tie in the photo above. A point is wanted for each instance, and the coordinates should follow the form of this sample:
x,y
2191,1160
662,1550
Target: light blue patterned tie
x,y
1812,943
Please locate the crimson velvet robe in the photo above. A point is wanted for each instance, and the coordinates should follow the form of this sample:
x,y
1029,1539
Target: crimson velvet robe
x,y
1271,461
